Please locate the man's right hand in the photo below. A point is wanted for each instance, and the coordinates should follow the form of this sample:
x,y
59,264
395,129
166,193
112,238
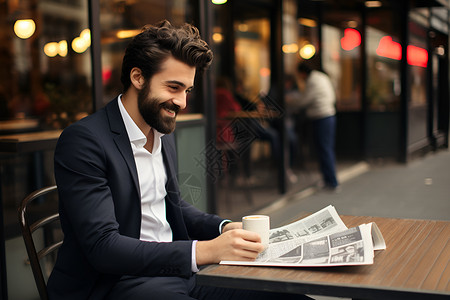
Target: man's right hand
x,y
237,244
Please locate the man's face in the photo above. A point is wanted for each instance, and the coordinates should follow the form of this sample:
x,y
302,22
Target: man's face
x,y
164,95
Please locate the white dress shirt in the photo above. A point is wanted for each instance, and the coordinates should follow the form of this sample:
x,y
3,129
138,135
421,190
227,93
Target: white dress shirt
x,y
154,225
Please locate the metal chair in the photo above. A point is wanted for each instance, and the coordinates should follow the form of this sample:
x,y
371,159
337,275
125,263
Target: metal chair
x,y
29,226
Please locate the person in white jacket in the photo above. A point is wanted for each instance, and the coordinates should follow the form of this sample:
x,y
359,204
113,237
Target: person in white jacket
x,y
318,100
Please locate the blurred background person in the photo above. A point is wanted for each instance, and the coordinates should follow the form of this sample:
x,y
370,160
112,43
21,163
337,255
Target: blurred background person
x,y
318,100
236,115
226,107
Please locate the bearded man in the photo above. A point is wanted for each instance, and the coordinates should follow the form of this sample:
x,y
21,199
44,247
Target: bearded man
x,y
127,232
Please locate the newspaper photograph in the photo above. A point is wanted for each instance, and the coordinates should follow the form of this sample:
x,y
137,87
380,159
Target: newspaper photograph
x,y
321,239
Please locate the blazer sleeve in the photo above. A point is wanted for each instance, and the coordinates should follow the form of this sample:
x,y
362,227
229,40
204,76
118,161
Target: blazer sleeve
x,y
95,188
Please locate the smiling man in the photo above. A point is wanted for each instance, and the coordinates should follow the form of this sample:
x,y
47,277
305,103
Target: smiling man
x,y
127,232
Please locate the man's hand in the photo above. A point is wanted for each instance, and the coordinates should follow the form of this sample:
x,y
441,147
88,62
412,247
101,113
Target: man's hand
x,y
237,244
231,226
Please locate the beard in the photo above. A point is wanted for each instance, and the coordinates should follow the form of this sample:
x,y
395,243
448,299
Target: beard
x,y
150,108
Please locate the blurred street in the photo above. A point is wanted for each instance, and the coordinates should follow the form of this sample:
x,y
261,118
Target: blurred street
x,y
419,189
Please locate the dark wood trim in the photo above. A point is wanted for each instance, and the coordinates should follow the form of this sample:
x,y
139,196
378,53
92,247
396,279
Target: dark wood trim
x,y
403,10
364,99
3,283
209,105
96,55
277,79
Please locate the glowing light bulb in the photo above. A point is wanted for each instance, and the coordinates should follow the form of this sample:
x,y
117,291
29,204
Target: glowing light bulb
x,y
62,45
86,36
125,34
51,49
79,45
217,37
290,48
24,28
307,51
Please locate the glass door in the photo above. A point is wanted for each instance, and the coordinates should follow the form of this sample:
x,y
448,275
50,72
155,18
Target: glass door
x,y
247,141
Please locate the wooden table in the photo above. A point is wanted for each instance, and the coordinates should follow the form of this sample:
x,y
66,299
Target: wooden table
x,y
415,265
17,125
29,142
254,114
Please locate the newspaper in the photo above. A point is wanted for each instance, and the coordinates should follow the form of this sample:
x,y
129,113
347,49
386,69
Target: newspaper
x,y
321,239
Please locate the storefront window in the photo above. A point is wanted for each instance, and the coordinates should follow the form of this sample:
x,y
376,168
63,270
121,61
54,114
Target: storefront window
x,y
241,47
341,57
120,21
384,54
241,40
45,80
306,32
45,85
417,61
253,55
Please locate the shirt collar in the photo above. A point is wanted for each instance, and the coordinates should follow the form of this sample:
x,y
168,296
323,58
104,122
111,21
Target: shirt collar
x,y
136,136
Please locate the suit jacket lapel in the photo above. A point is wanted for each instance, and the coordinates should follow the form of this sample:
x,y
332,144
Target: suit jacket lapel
x,y
121,139
168,152
174,204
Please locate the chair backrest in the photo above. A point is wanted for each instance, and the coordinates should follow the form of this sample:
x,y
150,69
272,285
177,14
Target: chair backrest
x,y
29,227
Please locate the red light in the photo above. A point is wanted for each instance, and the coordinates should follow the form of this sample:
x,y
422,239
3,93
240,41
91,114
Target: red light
x,y
417,56
351,39
390,49
106,75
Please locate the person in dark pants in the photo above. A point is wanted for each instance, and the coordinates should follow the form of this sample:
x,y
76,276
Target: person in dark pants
x,y
127,232
318,100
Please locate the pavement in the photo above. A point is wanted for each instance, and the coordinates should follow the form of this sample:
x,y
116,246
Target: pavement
x,y
419,189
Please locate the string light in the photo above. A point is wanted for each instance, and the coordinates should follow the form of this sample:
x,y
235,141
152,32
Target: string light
x,y
290,48
82,42
62,48
125,34
24,28
51,49
307,51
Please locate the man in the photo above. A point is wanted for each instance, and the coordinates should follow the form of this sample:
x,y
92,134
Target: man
x,y
318,99
127,233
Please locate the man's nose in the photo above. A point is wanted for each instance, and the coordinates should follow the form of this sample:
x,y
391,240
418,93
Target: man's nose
x,y
180,100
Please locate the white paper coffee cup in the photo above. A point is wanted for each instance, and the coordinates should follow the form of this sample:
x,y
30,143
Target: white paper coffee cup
x,y
259,224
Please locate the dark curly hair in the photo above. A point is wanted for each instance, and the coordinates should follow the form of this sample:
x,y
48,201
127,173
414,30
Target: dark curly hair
x,y
304,68
150,48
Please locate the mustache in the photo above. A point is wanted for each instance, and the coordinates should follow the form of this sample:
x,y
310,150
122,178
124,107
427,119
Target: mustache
x,y
170,106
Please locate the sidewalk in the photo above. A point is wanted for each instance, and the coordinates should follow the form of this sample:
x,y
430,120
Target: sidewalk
x,y
419,189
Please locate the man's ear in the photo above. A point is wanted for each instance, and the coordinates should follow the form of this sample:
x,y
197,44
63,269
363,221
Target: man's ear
x,y
137,79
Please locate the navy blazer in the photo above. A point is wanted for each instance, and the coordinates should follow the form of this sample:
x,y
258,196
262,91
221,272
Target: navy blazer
x,y
100,211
